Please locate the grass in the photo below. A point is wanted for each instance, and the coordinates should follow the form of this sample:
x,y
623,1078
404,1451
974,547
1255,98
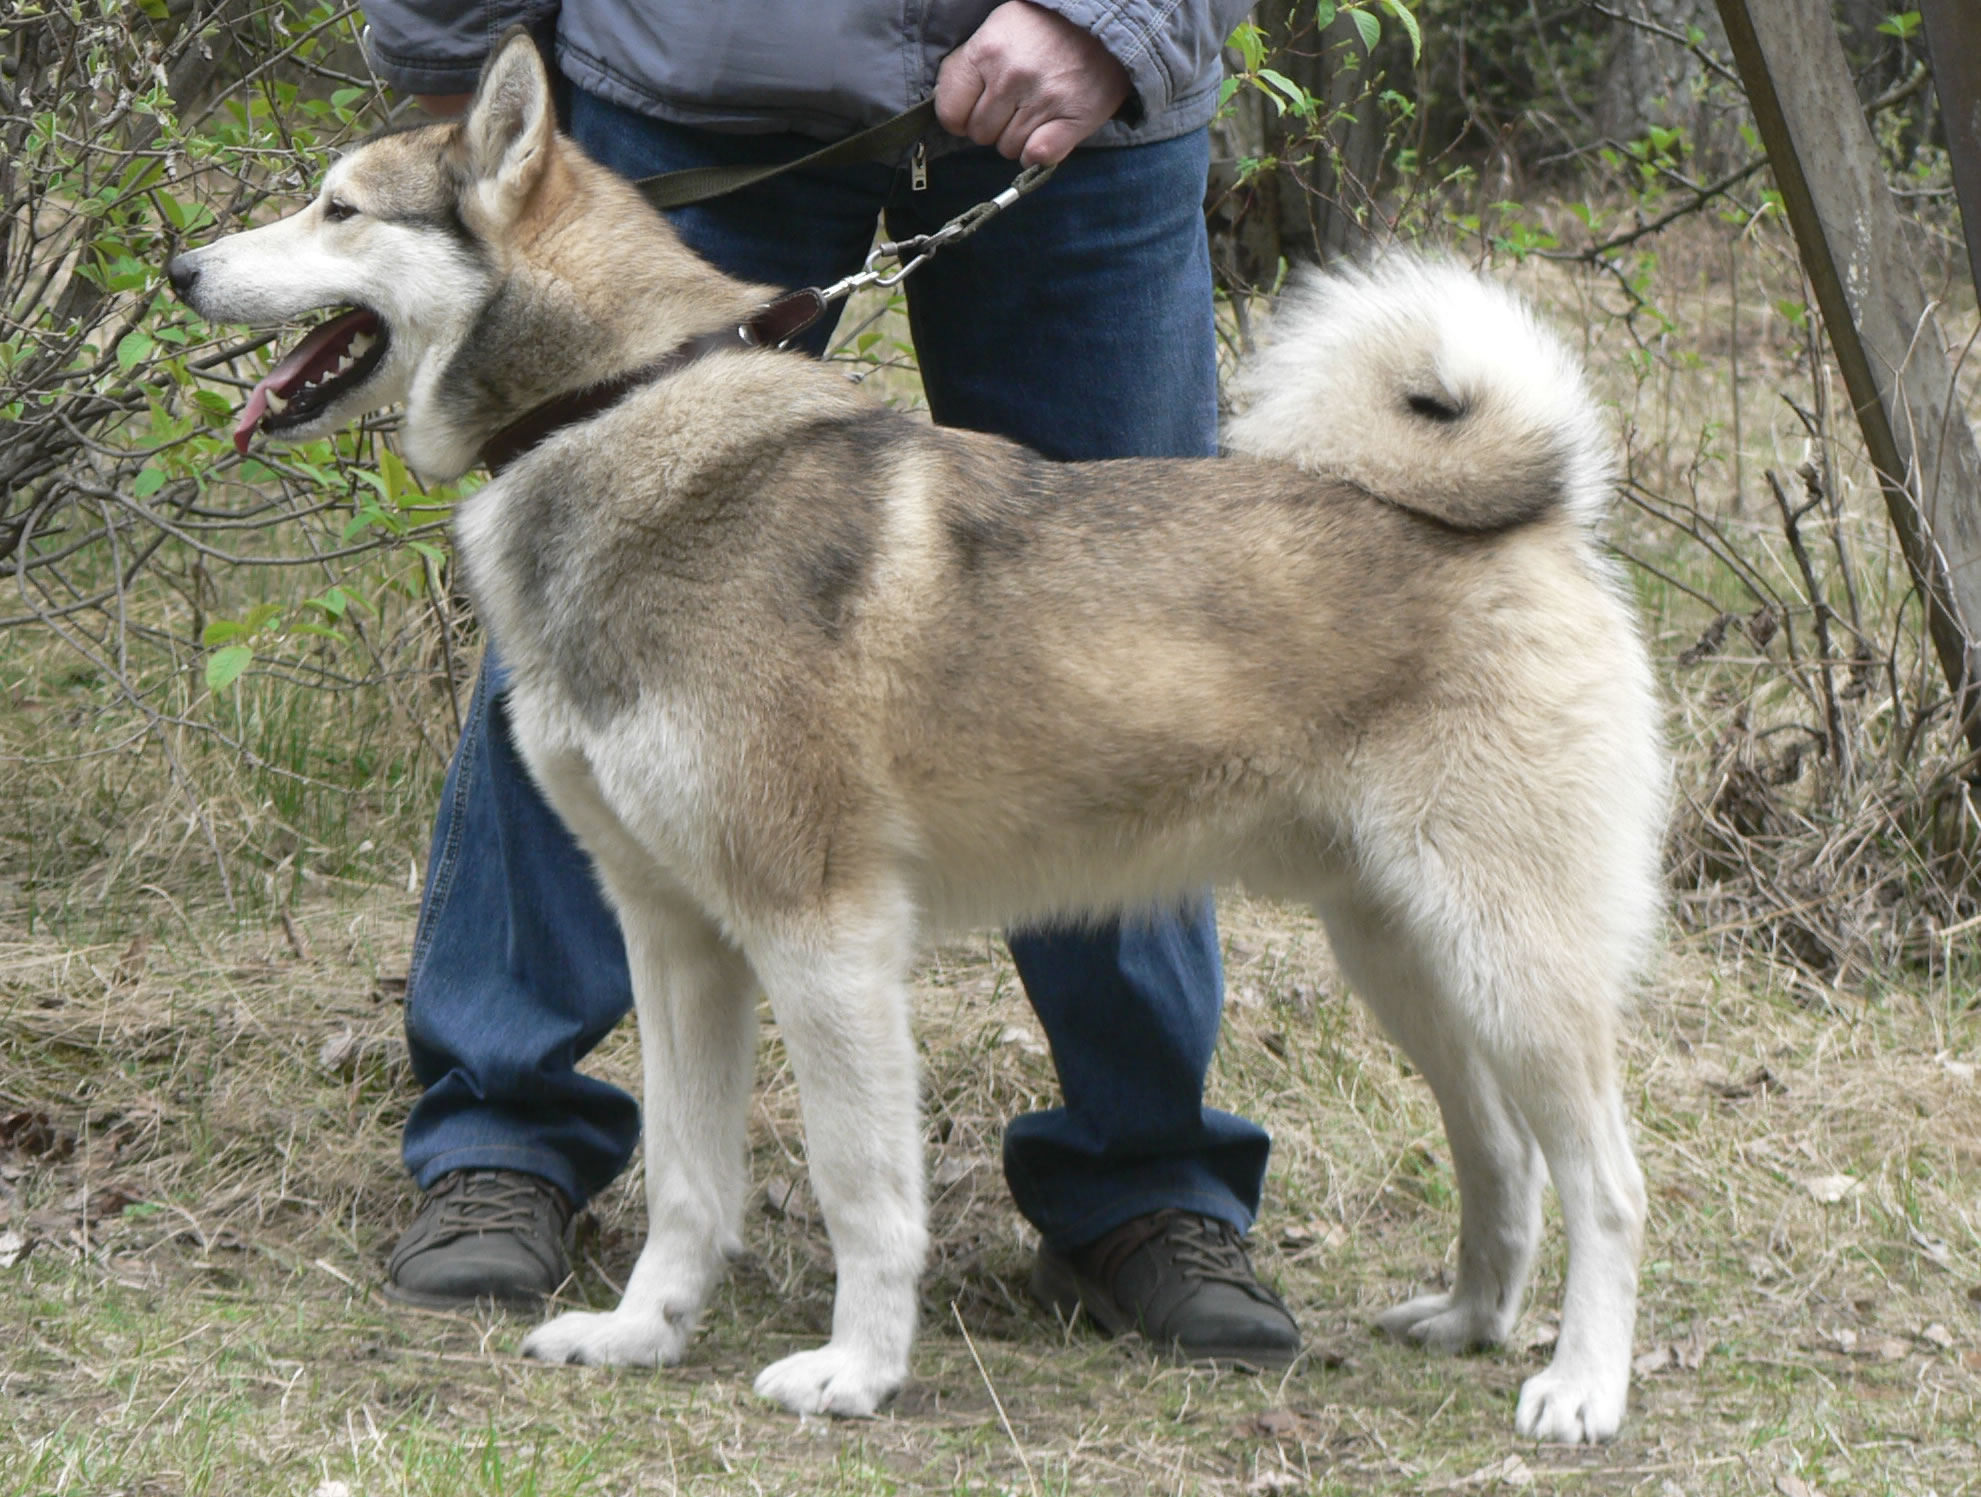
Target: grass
x,y
199,1186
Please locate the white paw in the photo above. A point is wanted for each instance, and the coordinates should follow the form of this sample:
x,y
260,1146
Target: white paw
x,y
831,1380
1443,1322
615,1339
1570,1409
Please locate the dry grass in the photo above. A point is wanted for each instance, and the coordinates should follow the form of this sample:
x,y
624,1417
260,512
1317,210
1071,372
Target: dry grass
x,y
200,1184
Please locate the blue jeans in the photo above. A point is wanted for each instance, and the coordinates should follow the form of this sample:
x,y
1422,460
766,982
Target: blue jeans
x,y
1078,323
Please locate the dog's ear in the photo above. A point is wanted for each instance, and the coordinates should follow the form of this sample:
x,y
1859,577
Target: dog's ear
x,y
510,124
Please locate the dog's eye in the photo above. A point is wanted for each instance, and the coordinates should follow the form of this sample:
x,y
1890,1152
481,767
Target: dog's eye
x,y
336,210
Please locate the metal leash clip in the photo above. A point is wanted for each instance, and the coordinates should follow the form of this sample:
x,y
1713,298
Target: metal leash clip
x,y
907,255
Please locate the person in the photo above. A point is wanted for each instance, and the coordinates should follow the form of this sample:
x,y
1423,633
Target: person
x,y
1079,323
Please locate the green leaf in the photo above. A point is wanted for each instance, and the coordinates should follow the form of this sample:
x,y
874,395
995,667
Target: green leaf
x,y
219,631
1401,11
1295,95
133,348
149,481
1369,26
224,667
1324,13
1249,41
398,480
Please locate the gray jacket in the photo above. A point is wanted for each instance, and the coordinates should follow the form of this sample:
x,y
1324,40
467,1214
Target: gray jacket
x,y
821,67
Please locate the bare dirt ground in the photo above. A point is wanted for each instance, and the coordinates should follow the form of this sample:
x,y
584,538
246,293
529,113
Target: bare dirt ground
x,y
199,1184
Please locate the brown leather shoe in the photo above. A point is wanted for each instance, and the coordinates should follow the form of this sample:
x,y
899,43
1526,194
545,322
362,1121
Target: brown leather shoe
x,y
483,1235
1182,1280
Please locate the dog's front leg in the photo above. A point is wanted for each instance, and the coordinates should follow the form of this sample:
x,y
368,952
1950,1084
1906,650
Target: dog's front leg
x,y
691,991
841,1003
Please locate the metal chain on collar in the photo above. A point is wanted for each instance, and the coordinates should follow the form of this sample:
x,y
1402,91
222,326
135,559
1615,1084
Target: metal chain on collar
x,y
915,251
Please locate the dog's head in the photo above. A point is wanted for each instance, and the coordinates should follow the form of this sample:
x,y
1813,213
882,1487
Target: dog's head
x,y
400,248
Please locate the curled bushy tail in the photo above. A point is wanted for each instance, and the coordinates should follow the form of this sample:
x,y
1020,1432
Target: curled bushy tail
x,y
1430,388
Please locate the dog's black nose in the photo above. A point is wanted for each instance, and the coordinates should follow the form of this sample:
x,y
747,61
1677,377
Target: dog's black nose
x,y
181,272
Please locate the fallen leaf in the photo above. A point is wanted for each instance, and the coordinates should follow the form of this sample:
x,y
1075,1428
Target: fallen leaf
x,y
1275,1424
341,1053
1754,1083
35,1135
1538,1335
1935,1249
1021,1037
100,1201
131,965
955,1167
13,1248
1657,1359
1795,1486
783,1197
1937,1335
1300,1237
1274,1483
1511,1472
1871,1347
1828,1189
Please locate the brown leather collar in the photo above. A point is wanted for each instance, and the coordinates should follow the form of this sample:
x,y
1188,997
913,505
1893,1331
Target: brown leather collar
x,y
770,326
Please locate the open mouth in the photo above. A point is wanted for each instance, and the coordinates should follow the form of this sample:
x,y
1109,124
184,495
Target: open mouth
x,y
332,360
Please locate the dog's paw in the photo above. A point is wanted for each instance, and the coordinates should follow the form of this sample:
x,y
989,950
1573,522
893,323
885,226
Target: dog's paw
x,y
1444,1323
615,1339
1565,1408
831,1380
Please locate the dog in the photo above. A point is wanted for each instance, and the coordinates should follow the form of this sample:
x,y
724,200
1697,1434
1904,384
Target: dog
x,y
810,678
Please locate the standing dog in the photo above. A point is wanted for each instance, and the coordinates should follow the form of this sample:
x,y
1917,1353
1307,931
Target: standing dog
x,y
809,677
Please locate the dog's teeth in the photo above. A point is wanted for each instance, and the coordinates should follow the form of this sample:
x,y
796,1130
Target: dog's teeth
x,y
277,403
361,345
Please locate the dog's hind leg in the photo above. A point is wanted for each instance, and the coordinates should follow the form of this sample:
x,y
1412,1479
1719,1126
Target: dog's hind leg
x,y
692,993
1497,1162
1581,1393
1513,1020
841,1003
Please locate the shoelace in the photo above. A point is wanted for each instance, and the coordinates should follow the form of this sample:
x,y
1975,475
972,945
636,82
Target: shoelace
x,y
485,1201
1200,1245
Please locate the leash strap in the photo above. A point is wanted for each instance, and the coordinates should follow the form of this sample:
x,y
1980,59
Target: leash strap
x,y
776,323
888,141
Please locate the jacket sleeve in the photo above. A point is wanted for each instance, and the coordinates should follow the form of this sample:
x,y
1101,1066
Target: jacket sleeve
x,y
1171,48
437,46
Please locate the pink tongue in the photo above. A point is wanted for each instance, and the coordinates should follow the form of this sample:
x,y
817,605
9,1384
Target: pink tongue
x,y
318,353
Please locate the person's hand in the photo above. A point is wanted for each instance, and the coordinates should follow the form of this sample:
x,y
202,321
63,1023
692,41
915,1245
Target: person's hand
x,y
446,106
1029,82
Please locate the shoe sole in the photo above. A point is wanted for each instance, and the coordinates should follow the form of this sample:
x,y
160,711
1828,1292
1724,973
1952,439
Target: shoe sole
x,y
421,1300
1056,1285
